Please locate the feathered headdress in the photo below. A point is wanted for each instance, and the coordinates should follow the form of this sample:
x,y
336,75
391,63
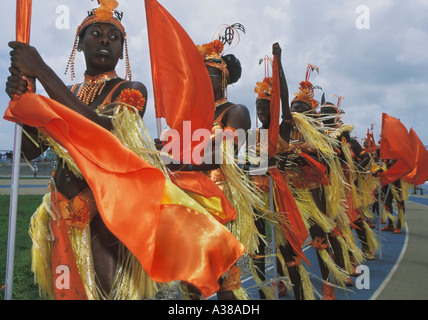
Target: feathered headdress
x,y
306,89
264,88
212,52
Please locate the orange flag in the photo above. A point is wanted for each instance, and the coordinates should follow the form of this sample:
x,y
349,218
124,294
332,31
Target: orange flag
x,y
420,172
172,241
181,83
283,196
201,185
395,144
23,20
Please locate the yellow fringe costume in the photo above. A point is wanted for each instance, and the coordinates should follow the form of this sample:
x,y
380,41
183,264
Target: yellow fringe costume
x,y
262,182
131,281
308,132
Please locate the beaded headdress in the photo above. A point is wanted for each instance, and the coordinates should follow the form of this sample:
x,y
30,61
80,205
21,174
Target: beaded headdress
x,y
106,13
306,89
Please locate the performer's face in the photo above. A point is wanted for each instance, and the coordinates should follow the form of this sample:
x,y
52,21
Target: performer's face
x,y
300,107
329,114
103,47
263,112
216,76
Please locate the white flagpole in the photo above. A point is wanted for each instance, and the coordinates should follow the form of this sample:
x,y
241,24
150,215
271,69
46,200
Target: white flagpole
x,y
380,210
13,212
275,270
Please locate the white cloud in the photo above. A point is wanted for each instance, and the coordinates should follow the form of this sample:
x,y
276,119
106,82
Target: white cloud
x,y
376,70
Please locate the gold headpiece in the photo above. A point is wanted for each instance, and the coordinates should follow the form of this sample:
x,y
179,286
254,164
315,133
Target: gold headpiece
x,y
105,13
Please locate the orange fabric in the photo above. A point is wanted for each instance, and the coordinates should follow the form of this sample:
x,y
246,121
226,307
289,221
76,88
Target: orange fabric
x,y
232,279
62,256
350,210
23,20
395,144
23,23
315,170
171,242
420,172
284,198
319,244
181,84
275,104
296,262
201,184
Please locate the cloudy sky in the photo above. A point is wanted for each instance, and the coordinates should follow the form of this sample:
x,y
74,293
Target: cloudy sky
x,y
372,53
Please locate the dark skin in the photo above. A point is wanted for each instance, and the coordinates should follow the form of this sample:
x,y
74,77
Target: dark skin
x,y
263,106
102,46
237,117
263,114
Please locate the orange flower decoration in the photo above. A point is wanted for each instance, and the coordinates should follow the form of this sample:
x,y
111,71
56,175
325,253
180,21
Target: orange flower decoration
x,y
132,97
217,46
306,85
105,11
264,89
214,47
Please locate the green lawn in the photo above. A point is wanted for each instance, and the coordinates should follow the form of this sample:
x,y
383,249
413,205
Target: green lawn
x,y
23,284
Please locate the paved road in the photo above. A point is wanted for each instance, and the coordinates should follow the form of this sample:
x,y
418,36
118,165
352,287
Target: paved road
x,y
410,280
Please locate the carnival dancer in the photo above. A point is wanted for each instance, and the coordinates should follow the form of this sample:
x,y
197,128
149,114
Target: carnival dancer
x,y
219,161
288,238
397,190
310,153
359,186
111,244
225,70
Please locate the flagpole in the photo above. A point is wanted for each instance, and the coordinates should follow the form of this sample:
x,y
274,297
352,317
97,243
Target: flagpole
x,y
380,208
275,269
22,29
13,212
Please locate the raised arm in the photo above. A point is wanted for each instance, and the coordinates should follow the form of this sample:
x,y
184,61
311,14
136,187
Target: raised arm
x,y
285,126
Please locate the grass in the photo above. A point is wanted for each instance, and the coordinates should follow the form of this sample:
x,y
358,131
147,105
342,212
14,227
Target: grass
x,y
23,281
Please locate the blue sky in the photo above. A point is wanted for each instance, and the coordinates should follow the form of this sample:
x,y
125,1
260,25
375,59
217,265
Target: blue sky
x,y
372,53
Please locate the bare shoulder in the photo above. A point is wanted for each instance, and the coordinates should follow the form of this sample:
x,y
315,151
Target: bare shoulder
x,y
136,85
239,117
133,85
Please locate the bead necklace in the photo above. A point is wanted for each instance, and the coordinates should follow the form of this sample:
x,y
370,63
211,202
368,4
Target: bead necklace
x,y
94,85
220,102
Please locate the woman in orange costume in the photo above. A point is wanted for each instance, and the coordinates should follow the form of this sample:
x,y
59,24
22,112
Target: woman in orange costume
x,y
102,42
219,161
99,266
292,256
